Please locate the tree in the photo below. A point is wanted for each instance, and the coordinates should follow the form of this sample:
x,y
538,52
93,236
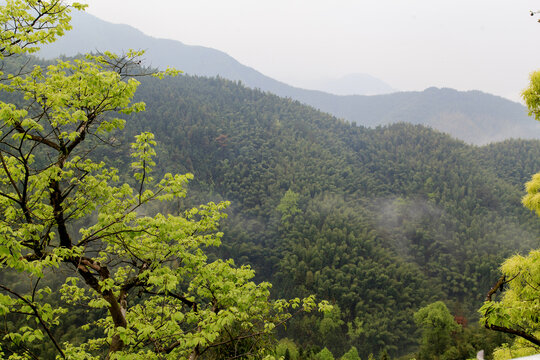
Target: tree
x,y
68,217
517,311
330,329
324,354
530,95
384,355
285,348
437,326
288,207
352,354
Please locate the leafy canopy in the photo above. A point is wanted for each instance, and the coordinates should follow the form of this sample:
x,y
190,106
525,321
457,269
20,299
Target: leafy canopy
x,y
143,277
437,325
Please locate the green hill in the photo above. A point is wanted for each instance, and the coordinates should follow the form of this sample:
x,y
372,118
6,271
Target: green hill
x,y
379,221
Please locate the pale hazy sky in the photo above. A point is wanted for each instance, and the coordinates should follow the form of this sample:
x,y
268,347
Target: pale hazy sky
x,y
489,45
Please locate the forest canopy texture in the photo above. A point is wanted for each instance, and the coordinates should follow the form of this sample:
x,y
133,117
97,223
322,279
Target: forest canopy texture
x,y
104,256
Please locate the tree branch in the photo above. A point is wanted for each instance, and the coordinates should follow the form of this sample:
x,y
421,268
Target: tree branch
x,y
493,290
520,333
499,285
36,313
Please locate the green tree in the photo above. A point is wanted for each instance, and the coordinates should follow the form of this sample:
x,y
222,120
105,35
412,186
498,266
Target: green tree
x,y
520,348
288,207
437,326
352,354
384,355
287,355
144,275
286,346
530,95
517,310
324,354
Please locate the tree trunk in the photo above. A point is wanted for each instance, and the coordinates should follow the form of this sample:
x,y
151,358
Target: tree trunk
x,y
117,312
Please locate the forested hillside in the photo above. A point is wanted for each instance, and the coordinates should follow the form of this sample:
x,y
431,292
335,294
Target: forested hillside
x,y
379,221
316,239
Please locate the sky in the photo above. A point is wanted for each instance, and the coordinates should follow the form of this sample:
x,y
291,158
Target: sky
x,y
487,45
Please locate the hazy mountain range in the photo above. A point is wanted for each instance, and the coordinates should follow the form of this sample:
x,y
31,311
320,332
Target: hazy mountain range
x,y
473,116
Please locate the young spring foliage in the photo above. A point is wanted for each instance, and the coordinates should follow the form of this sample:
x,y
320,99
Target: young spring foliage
x,y
517,311
27,24
530,95
144,277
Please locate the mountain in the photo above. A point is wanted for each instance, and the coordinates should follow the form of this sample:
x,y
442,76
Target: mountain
x,y
379,221
471,116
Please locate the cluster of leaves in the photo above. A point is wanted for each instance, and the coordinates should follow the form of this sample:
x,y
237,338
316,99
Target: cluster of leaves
x,y
517,310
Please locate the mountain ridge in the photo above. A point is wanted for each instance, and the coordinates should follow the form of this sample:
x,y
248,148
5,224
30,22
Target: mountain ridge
x,y
473,116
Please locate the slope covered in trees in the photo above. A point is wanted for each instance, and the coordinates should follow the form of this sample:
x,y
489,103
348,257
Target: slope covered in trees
x,y
379,221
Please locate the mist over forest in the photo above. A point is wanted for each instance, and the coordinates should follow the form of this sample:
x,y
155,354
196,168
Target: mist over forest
x,y
395,210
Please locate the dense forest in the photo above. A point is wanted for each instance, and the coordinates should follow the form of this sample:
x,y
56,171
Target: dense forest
x,y
379,221
304,236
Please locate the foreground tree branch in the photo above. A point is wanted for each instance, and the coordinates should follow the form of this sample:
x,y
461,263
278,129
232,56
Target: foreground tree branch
x,y
36,313
489,313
